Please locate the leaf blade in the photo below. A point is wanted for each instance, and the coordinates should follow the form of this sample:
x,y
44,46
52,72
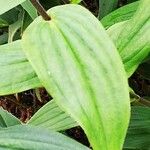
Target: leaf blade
x,y
12,59
75,72
29,137
7,119
51,117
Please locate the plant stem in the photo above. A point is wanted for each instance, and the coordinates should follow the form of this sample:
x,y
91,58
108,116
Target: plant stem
x,y
40,10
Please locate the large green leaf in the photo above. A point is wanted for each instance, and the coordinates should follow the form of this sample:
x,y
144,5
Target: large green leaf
x,y
82,71
32,138
7,119
51,117
132,38
7,5
138,137
122,14
16,74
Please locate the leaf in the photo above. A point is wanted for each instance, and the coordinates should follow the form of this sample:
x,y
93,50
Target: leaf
x,y
12,15
132,38
51,117
27,5
3,23
3,38
77,69
13,28
106,6
32,138
138,137
121,14
7,5
7,119
16,73
75,1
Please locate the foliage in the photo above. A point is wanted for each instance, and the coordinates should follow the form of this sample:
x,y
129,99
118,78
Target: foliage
x,y
83,66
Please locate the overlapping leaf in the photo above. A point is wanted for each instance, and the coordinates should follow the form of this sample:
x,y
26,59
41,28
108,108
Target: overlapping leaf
x,y
128,55
16,74
32,138
122,14
138,136
51,117
132,38
82,71
7,119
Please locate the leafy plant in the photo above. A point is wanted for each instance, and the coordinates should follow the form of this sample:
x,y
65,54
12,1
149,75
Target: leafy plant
x,y
83,67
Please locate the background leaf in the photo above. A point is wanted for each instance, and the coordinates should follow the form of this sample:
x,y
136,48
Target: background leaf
x,y
7,5
29,137
138,136
27,5
3,23
121,14
16,74
7,119
51,117
106,6
127,34
78,71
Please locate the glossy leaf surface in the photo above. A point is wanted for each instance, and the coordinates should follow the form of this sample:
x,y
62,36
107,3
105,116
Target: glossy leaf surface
x,y
77,69
32,138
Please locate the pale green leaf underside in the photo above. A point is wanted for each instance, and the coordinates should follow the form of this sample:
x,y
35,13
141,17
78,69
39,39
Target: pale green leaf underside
x,y
121,14
8,4
51,117
33,138
78,71
7,119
